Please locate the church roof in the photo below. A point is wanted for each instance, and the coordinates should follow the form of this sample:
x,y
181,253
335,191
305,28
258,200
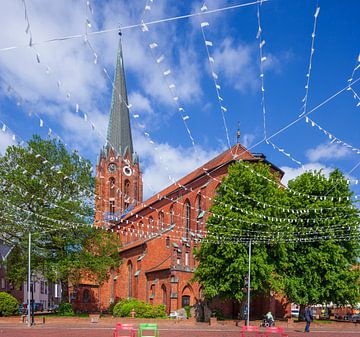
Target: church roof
x,y
237,152
119,130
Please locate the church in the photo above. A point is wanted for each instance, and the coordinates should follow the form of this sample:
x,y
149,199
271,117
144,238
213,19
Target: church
x,y
156,236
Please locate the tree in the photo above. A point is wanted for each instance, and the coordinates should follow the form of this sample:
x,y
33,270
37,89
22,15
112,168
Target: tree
x,y
322,261
8,305
49,192
223,257
306,238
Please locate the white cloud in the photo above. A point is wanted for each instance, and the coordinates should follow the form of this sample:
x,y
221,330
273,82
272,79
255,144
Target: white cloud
x,y
5,141
140,103
81,134
162,164
327,151
236,62
291,173
68,67
248,139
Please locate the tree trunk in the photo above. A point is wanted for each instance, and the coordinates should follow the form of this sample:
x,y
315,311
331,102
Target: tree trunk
x,y
64,292
302,312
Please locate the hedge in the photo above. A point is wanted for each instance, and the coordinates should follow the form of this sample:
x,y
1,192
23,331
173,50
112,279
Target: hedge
x,y
142,310
8,305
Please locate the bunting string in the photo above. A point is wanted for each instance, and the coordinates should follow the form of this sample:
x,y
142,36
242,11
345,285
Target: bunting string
x,y
137,25
333,138
214,75
308,75
262,60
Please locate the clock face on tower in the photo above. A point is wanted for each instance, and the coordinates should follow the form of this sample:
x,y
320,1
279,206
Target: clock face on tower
x,y
112,168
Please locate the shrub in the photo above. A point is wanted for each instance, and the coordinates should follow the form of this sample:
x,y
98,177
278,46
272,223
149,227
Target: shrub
x,y
142,310
8,305
187,309
65,309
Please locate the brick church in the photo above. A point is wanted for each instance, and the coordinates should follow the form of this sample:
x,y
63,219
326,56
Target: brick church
x,y
157,236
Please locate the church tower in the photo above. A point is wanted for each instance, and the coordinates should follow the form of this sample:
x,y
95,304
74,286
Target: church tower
x,y
118,175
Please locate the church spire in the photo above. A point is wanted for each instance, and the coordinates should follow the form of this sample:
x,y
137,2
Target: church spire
x,y
119,131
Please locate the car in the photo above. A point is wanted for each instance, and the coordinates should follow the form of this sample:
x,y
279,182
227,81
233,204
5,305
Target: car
x,y
295,312
355,318
53,308
38,306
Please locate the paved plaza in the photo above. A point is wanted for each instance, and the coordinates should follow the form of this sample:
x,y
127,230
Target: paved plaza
x,y
82,327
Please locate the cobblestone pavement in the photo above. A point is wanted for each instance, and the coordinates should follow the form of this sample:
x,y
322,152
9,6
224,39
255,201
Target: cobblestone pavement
x,y
107,332
81,327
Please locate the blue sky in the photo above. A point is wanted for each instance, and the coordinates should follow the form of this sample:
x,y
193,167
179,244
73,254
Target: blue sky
x,y
60,82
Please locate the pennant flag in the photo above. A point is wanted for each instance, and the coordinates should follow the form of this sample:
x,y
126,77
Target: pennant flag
x,y
160,59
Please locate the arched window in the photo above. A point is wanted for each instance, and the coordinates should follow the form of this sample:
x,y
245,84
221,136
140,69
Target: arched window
x,y
112,187
130,278
185,301
152,293
86,296
132,233
199,212
187,217
151,225
112,190
161,220
198,203
172,215
127,198
167,240
164,295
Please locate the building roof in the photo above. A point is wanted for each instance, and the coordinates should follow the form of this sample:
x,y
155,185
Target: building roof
x,y
119,130
4,250
237,152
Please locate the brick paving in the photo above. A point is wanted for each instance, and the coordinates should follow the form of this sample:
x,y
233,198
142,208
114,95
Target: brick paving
x,y
81,327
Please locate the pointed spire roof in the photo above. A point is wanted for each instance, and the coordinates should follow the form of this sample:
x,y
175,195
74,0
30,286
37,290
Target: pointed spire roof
x,y
119,130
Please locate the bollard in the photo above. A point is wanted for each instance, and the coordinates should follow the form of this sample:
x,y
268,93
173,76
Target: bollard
x,y
43,320
132,313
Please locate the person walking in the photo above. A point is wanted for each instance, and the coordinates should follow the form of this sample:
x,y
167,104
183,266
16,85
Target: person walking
x,y
308,318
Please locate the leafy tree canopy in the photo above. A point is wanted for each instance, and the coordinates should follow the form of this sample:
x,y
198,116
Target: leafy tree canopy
x,y
48,191
307,253
323,269
223,260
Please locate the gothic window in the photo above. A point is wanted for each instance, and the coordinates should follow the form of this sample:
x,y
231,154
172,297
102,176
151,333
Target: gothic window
x,y
199,213
112,206
198,203
112,187
185,301
164,297
86,296
151,225
186,258
171,215
187,217
132,233
161,220
130,278
126,193
167,242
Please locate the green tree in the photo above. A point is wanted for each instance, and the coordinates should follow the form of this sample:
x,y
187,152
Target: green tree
x,y
321,265
238,216
8,305
48,191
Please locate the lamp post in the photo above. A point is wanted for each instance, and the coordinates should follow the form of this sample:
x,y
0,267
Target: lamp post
x,y
249,285
29,282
